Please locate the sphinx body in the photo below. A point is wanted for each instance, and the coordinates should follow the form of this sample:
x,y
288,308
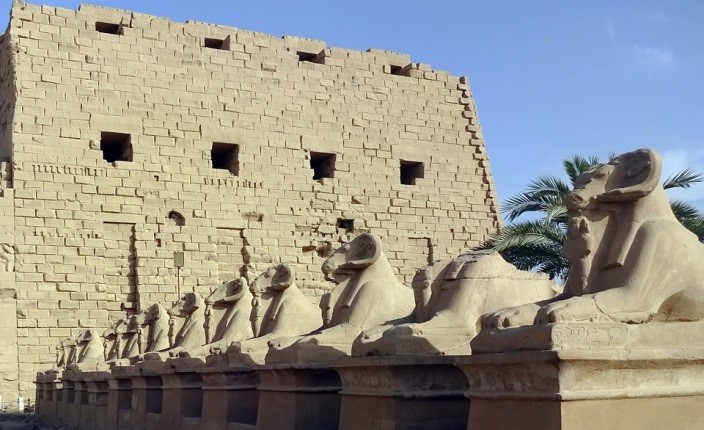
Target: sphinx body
x,y
279,310
631,260
368,294
113,338
84,347
191,333
235,301
155,320
451,296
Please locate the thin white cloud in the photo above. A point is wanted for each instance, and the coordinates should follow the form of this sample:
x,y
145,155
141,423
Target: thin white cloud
x,y
654,18
655,60
611,31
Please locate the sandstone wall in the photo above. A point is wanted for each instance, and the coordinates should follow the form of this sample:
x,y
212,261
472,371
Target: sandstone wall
x,y
8,293
169,100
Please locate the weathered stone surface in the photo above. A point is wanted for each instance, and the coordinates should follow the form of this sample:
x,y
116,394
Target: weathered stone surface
x,y
367,294
279,310
227,318
94,238
632,261
600,373
451,296
402,392
621,346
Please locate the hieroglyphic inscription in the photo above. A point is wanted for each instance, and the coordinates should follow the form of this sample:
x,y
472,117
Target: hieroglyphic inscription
x,y
69,233
588,336
69,170
231,182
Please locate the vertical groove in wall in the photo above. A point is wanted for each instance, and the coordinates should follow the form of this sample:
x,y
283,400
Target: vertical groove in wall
x,y
121,268
230,254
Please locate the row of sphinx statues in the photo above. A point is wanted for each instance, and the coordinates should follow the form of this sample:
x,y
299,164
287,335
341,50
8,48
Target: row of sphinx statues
x,y
369,312
631,262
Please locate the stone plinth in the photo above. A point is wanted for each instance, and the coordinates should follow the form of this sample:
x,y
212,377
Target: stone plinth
x,y
80,399
587,376
298,396
230,397
94,408
48,385
145,397
62,400
402,393
177,403
119,404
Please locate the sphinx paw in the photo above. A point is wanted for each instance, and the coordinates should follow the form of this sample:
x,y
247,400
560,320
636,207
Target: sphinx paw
x,y
574,309
510,317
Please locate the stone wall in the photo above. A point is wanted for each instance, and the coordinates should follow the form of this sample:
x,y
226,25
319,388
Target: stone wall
x,y
7,99
9,329
136,137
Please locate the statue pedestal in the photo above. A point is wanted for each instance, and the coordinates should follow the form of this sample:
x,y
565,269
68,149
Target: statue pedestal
x,y
94,411
63,399
587,376
181,393
119,404
144,394
230,397
47,398
298,396
401,392
77,395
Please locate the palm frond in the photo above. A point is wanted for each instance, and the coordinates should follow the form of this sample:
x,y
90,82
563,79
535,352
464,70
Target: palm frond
x,y
683,179
695,225
548,187
545,259
520,204
683,210
556,215
527,233
576,165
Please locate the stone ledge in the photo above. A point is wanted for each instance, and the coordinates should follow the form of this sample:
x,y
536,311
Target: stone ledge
x,y
584,375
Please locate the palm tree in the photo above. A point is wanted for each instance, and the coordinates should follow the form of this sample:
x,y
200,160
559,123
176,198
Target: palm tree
x,y
536,244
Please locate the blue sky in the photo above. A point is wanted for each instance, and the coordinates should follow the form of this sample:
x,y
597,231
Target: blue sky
x,y
551,78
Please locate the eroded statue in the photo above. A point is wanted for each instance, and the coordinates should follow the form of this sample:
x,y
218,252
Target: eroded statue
x,y
451,296
156,321
113,338
631,260
65,352
191,334
367,294
234,301
279,310
84,347
7,258
133,336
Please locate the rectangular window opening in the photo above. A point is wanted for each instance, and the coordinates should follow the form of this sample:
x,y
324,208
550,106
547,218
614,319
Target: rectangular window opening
x,y
410,171
310,57
225,156
116,146
345,226
108,28
323,165
221,44
400,70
